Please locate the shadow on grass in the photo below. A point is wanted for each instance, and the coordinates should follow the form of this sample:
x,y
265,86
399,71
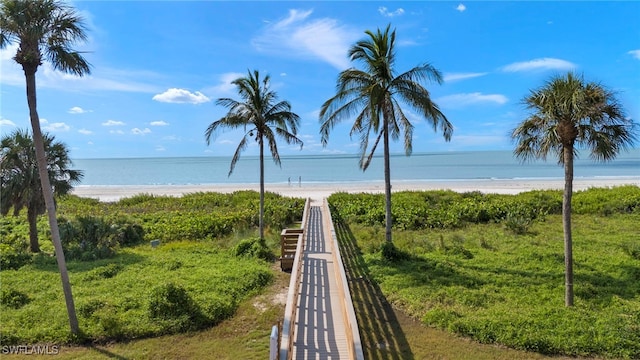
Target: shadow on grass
x,y
107,353
45,262
380,332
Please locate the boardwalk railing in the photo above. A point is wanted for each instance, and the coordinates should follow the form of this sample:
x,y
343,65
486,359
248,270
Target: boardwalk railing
x,y
348,314
286,341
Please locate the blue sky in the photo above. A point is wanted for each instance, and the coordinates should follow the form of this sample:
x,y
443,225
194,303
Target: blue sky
x,y
158,67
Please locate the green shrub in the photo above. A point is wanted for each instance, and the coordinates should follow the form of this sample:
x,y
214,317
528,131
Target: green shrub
x,y
173,306
12,259
253,247
632,248
103,272
13,298
91,238
87,309
517,222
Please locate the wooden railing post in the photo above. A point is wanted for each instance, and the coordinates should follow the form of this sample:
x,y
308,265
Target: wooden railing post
x,y
353,332
286,342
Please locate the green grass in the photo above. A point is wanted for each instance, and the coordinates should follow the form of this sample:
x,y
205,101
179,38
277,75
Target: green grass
x,y
113,296
245,335
486,283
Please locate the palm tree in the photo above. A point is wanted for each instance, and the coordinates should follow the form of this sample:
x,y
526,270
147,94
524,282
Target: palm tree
x,y
569,114
264,118
373,95
45,30
21,185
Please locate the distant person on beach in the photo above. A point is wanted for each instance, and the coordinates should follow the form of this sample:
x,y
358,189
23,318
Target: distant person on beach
x,y
289,180
299,181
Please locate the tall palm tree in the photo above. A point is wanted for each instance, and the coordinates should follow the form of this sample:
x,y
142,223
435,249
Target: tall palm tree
x,y
45,30
19,178
373,96
264,118
567,115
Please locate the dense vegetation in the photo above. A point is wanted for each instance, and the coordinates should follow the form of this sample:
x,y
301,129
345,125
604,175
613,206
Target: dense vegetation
x,y
207,263
490,267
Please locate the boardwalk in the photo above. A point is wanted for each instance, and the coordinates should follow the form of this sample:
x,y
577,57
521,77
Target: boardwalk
x,y
320,328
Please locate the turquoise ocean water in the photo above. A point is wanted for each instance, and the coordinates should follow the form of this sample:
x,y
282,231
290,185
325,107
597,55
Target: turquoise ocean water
x,y
343,168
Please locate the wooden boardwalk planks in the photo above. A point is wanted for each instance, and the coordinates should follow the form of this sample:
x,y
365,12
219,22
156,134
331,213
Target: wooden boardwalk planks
x,y
320,328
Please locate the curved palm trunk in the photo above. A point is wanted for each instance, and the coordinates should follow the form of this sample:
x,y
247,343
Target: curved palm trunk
x,y
41,158
387,184
261,221
32,218
566,224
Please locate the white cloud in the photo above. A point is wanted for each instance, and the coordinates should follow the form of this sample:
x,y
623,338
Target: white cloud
x,y
159,123
7,122
462,76
224,142
113,123
77,110
539,64
298,35
461,7
160,148
52,127
385,12
85,132
117,132
137,131
181,96
101,79
460,100
635,53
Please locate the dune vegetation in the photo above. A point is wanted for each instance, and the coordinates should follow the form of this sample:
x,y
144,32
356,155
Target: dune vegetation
x,y
490,267
207,262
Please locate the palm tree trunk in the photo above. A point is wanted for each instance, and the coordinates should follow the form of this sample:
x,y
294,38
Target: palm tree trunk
x,y
41,158
261,221
566,224
387,183
32,218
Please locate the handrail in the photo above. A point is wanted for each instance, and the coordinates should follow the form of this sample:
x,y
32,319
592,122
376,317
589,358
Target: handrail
x,y
353,333
286,342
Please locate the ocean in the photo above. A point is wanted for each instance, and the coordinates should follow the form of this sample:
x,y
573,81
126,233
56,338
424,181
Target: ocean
x,y
309,169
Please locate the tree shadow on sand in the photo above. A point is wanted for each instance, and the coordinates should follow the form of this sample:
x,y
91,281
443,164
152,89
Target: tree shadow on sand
x,y
380,332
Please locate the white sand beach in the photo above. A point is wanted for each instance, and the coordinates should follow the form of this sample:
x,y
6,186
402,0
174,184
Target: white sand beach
x,y
318,191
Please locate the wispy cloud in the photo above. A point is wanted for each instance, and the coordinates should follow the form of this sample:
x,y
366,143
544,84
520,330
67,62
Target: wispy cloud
x,y
137,131
385,12
181,96
77,110
462,76
6,122
113,123
298,35
101,79
539,64
635,53
225,86
85,132
159,123
461,100
461,7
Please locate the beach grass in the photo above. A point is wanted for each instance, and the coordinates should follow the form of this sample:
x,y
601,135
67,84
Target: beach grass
x,y
484,281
